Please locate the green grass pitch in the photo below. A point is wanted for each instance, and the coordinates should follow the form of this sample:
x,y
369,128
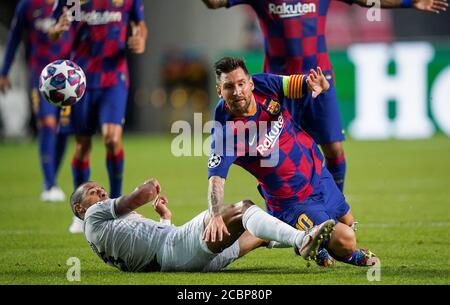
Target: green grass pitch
x,y
398,190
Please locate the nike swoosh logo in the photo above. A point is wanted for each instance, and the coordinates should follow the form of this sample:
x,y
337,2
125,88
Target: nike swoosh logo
x,y
252,141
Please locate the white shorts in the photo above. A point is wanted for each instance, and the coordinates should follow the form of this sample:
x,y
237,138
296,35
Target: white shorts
x,y
185,250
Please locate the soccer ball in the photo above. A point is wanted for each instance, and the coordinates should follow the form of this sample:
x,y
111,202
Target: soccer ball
x,y
62,83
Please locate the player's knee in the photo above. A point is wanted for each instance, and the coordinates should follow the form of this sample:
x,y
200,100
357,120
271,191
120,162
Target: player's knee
x,y
347,219
47,122
112,143
343,240
244,205
234,212
333,150
82,148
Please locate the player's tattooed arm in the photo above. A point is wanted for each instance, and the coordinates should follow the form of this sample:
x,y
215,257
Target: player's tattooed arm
x,y
216,228
215,195
144,193
434,6
213,4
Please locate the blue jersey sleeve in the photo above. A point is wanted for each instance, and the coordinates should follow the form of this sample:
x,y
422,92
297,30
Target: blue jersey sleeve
x,y
222,145
137,11
277,86
269,84
221,159
14,36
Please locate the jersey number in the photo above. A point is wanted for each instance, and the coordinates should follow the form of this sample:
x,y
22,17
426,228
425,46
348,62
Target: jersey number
x,y
304,223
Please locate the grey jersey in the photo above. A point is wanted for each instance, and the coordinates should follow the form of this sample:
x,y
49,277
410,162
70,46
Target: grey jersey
x,y
129,243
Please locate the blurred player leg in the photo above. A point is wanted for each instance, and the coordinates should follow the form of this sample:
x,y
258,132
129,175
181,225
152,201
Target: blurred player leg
x,y
112,135
60,149
80,162
112,107
84,122
47,127
64,130
80,172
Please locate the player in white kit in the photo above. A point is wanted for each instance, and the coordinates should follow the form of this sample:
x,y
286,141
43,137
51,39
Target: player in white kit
x,y
131,242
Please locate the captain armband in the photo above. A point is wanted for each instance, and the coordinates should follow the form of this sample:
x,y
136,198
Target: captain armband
x,y
294,86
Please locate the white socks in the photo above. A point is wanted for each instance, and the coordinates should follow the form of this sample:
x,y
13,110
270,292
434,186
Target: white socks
x,y
267,227
274,244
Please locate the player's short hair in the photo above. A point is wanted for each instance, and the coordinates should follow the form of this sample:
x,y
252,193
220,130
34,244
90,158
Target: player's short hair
x,y
227,65
77,197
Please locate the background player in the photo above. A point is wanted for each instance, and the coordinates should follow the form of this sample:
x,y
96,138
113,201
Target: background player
x,y
35,18
294,44
294,185
99,48
130,242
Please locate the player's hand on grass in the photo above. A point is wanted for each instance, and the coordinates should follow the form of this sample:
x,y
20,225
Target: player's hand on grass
x,y
435,6
215,230
5,84
136,42
317,83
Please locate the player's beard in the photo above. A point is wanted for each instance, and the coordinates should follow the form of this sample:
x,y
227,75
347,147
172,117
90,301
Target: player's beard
x,y
240,106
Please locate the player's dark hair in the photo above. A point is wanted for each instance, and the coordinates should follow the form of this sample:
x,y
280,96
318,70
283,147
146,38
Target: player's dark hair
x,y
77,197
227,65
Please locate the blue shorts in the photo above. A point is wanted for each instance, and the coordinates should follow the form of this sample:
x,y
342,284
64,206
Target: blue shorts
x,y
41,107
98,107
64,123
327,202
319,117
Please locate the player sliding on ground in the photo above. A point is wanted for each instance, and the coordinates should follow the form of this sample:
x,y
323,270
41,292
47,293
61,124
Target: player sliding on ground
x,y
255,130
130,242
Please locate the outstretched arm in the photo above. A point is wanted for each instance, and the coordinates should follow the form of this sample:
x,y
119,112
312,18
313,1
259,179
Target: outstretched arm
x,y
295,86
216,226
317,83
136,42
61,26
434,6
14,37
213,4
144,193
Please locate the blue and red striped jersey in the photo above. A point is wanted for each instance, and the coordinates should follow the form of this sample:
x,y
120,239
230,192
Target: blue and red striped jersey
x,y
269,144
35,18
294,34
100,38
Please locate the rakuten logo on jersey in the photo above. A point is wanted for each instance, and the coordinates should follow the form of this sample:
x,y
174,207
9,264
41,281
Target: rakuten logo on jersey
x,y
99,18
291,10
271,137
